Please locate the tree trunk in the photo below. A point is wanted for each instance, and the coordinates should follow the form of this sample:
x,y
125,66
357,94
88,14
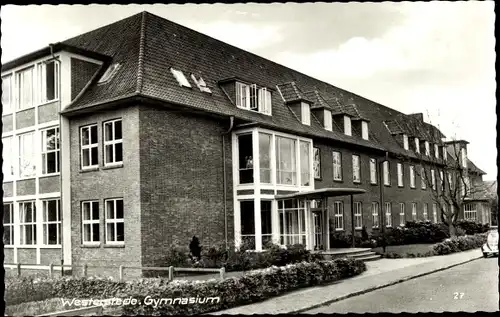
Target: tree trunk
x,y
452,229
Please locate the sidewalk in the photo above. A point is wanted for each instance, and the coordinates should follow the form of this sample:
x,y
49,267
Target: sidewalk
x,y
380,273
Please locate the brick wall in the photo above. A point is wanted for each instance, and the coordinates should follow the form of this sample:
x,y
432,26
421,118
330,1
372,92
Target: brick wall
x,y
81,73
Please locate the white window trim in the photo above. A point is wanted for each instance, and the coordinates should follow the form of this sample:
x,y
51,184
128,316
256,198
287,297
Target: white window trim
x,y
433,179
89,146
90,222
434,212
373,171
112,142
356,168
406,145
262,96
46,152
414,215
337,166
19,87
388,214
417,145
347,126
358,215
10,224
23,225
400,175
401,214
305,113
115,221
425,212
200,83
427,148
21,156
364,130
10,106
470,212
9,156
423,184
387,173
328,120
41,75
436,151
338,208
412,176
375,207
46,222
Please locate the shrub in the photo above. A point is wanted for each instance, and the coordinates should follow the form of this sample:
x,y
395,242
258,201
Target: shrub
x,y
471,227
458,244
195,248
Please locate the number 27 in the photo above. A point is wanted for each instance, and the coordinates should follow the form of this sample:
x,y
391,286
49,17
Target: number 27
x,y
457,295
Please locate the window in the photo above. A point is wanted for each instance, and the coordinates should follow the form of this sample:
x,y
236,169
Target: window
x,y
113,142
388,215
422,178
414,211
405,142
245,150
247,229
373,171
305,164
90,222
8,224
111,71
364,130
242,96
250,97
27,222
8,155
48,79
317,163
286,172
434,213
427,148
426,216
50,151
115,232
358,218
265,158
463,155
433,179
401,214
338,208
417,145
264,101
470,212
292,221
27,165
328,120
356,173
337,166
400,174
441,178
181,79
347,125
436,151
374,215
25,91
450,183
387,174
412,176
88,143
51,222
7,100
445,153
266,222
202,86
254,102
306,113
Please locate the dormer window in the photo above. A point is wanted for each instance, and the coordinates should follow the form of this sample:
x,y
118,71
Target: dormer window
x,y
406,146
364,130
109,73
463,155
417,145
347,126
328,120
305,113
201,84
254,98
181,79
427,148
445,153
436,151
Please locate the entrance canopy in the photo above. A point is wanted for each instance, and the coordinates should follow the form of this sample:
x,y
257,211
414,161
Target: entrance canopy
x,y
323,193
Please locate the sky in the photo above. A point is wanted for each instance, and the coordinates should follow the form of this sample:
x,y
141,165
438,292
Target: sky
x,y
437,58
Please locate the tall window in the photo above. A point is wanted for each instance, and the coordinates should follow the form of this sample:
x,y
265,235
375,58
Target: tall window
x,y
364,130
306,113
338,208
388,215
450,181
412,176
48,79
470,212
265,221
358,218
90,222
422,178
417,145
400,174
433,179
88,143
337,166
247,212
347,125
387,173
265,158
113,142
356,170
305,164
328,120
51,222
441,178
405,142
401,214
27,165
8,224
286,172
414,211
427,148
245,150
426,216
7,100
436,151
115,231
25,91
375,215
8,156
317,163
292,221
434,213
445,153
373,171
27,222
50,151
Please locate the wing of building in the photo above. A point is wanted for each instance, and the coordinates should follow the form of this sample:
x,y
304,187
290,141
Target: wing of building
x,y
143,133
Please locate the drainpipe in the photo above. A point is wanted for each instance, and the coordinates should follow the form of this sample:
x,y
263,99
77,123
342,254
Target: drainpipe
x,y
231,124
382,210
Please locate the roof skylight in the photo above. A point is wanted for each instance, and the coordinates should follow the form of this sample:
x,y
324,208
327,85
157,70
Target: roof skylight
x,y
110,72
181,79
201,84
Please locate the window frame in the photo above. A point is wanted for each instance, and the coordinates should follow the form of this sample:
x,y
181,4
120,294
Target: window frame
x,y
10,225
45,152
8,160
402,214
23,225
414,215
423,184
347,125
412,176
337,166
365,133
8,78
20,85
386,167
328,119
115,221
22,155
89,146
471,211
375,214
356,171
388,214
178,75
90,222
293,156
42,82
399,168
373,171
113,142
338,210
46,223
305,110
425,212
434,212
433,179
317,152
358,215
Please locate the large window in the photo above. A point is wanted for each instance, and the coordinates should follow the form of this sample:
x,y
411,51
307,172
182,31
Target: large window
x,y
25,91
426,216
27,222
358,215
338,208
387,173
286,173
373,171
401,214
89,146
414,211
251,97
51,222
8,156
48,79
412,176
305,164
7,99
50,151
265,158
115,231
247,212
266,222
8,224
27,165
400,174
245,149
470,212
388,215
292,222
337,166
375,215
113,142
356,169
317,163
90,222
434,212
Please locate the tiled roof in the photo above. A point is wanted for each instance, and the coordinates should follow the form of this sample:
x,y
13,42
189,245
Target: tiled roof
x,y
290,93
317,99
487,190
473,168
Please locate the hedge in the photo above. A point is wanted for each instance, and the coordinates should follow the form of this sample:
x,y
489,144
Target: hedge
x,y
235,291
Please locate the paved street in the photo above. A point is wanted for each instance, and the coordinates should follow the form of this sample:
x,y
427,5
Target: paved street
x,y
469,287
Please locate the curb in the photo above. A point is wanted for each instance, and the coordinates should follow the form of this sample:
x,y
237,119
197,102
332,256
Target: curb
x,y
330,301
